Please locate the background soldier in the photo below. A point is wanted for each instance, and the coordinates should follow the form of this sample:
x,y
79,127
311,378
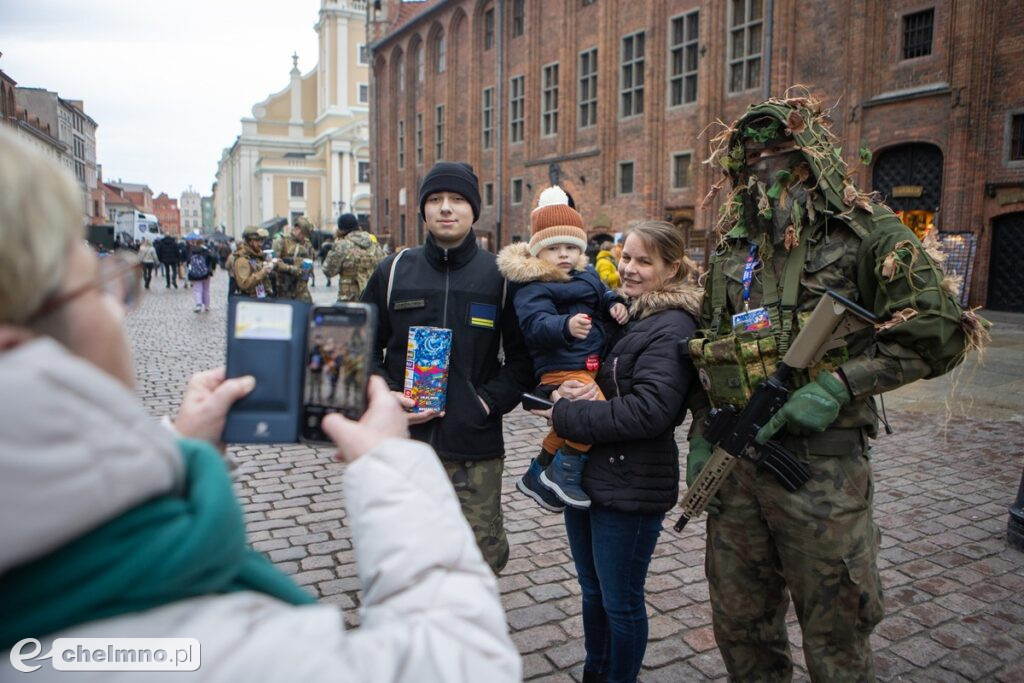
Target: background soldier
x,y
794,226
352,259
248,266
294,265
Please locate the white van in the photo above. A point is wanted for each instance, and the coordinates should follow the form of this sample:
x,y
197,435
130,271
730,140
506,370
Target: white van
x,y
138,226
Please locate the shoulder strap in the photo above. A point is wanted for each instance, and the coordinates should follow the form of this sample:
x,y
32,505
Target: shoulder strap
x,y
790,291
391,276
718,294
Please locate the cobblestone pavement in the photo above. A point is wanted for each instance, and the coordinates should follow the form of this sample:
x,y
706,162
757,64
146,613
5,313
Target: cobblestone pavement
x,y
954,590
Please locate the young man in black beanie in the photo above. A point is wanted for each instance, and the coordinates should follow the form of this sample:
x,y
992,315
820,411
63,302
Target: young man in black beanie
x,y
450,283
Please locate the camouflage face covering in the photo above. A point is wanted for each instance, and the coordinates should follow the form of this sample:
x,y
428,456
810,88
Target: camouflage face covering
x,y
785,169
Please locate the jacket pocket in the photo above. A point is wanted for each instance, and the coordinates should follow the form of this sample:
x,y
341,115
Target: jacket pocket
x,y
480,414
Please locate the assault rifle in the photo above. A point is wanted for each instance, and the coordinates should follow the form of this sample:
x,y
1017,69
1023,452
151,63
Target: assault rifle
x,y
731,431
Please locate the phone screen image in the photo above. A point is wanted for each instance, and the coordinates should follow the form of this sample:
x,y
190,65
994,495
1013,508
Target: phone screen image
x,y
337,365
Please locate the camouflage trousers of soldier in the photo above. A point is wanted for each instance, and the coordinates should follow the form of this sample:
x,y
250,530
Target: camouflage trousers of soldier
x,y
820,543
477,485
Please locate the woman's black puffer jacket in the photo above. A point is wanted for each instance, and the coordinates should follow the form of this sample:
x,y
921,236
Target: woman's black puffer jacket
x,y
634,463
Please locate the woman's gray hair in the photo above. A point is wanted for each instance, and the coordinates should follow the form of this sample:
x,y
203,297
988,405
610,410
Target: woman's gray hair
x,y
40,218
665,240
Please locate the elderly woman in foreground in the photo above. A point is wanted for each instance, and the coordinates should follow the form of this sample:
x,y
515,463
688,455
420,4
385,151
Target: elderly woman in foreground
x,y
112,525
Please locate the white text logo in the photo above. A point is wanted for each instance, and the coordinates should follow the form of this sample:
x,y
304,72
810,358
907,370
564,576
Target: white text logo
x,y
110,654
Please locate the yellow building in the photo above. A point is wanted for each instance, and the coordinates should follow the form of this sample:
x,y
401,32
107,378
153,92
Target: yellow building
x,y
305,150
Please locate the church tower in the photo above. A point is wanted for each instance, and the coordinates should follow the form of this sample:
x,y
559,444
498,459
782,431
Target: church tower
x,y
343,70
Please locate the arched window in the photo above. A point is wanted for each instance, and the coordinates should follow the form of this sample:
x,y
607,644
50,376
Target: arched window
x,y
439,52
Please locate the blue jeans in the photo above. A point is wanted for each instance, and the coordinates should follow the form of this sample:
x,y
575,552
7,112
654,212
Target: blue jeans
x,y
612,551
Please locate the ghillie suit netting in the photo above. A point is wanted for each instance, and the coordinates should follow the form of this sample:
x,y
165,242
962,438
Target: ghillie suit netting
x,y
820,185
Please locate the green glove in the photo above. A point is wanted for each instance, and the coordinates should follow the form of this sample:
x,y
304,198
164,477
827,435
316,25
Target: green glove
x,y
813,407
698,456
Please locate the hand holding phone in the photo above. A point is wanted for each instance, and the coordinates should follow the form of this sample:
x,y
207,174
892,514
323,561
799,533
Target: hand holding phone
x,y
307,365
383,419
205,404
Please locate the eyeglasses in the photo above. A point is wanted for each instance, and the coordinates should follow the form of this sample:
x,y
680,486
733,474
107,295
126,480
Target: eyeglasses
x,y
119,276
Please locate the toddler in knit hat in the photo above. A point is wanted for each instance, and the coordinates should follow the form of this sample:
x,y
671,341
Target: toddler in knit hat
x,y
563,308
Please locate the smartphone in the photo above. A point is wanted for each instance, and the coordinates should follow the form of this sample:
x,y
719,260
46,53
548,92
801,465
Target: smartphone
x,y
531,402
337,365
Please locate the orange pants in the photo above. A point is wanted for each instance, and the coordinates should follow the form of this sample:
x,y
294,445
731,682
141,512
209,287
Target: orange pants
x,y
552,442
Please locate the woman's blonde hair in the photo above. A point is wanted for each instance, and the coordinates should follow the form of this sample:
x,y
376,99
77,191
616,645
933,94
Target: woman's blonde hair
x,y
40,218
666,241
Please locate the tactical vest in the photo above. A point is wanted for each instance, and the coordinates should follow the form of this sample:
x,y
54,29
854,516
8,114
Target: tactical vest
x,y
731,364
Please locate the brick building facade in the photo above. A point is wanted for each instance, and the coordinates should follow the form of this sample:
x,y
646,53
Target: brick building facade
x,y
166,210
610,98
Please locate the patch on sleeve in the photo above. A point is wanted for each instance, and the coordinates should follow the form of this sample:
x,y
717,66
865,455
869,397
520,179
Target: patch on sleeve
x,y
482,315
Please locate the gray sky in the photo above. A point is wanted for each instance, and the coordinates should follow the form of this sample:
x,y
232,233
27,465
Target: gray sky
x,y
167,82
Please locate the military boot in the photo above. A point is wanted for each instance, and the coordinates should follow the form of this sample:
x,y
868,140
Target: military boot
x,y
530,485
564,476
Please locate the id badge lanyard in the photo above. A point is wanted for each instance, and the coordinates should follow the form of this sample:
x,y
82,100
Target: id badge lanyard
x,y
748,274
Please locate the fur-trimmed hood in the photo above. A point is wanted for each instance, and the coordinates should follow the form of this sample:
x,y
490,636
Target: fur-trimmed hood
x,y
517,264
677,296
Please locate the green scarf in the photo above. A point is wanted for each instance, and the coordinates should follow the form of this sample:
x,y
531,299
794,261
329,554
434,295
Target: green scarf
x,y
168,549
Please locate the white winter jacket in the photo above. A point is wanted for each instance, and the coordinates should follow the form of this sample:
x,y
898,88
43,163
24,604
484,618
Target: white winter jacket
x,y
77,449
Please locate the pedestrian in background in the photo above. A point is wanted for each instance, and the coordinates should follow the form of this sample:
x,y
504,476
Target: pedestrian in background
x,y
607,266
201,264
167,254
183,258
147,255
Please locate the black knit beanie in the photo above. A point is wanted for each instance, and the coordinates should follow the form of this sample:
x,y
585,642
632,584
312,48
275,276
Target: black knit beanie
x,y
449,176
347,222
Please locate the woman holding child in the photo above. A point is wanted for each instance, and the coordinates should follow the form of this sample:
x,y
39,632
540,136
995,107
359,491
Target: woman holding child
x,y
632,472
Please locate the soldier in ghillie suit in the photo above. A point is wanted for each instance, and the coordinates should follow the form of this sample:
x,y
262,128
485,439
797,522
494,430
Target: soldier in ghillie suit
x,y
294,265
352,259
794,226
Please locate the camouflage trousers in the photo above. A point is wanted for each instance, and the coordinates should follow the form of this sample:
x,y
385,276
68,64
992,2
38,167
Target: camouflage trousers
x,y
477,484
820,543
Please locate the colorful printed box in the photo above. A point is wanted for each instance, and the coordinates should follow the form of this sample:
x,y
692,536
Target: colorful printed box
x,y
426,367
